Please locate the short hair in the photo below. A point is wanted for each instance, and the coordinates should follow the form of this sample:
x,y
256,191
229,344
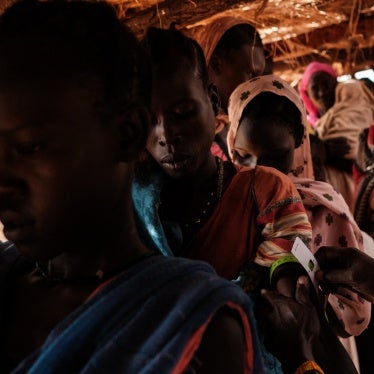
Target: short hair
x,y
234,38
280,110
99,46
170,49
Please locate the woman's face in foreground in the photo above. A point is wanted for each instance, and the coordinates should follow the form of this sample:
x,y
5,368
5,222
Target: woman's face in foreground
x,y
183,123
58,160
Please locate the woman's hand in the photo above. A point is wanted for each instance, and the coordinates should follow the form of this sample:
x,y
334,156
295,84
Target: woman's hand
x,y
346,267
337,147
290,324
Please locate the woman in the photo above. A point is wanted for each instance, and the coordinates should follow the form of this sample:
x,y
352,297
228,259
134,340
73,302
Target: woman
x,y
268,122
205,205
234,53
80,292
363,173
209,202
338,113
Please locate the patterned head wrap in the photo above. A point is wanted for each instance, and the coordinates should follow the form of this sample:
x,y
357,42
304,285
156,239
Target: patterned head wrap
x,y
246,92
312,68
209,36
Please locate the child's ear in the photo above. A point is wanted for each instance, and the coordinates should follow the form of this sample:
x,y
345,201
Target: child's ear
x,y
133,132
214,98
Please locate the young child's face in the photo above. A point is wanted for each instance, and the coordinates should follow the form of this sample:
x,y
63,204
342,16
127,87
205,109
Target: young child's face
x,y
59,181
270,143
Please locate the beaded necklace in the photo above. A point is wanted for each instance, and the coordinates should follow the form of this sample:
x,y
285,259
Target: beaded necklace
x,y
53,278
214,197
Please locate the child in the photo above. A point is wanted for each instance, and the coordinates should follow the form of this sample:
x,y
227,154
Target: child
x,y
81,293
269,125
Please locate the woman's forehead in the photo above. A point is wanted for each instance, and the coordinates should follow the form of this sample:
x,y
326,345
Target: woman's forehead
x,y
30,58
321,76
177,83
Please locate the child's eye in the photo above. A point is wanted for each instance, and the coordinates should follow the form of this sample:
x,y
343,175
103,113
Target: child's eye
x,y
29,148
242,156
244,159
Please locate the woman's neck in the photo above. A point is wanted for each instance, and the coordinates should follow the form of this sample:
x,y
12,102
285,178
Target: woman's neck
x,y
114,248
197,181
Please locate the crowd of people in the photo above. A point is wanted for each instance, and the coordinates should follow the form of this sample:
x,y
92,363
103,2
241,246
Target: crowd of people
x,y
151,193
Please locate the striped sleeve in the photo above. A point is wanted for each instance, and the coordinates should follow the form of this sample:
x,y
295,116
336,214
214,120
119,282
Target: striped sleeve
x,y
282,216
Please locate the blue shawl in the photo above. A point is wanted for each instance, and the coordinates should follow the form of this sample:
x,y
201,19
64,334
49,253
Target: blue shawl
x,y
141,321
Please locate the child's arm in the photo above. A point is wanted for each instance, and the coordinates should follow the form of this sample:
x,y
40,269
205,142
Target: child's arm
x,y
281,214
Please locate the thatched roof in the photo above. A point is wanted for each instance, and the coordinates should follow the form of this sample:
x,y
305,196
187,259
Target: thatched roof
x,y
293,31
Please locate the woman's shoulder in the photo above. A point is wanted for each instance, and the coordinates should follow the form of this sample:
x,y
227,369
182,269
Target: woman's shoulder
x,y
311,183
353,90
320,191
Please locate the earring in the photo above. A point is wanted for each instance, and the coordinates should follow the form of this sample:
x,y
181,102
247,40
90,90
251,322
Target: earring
x,y
214,98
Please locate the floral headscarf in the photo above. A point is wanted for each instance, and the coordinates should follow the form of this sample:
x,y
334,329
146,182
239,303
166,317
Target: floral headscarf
x,y
209,36
311,69
246,92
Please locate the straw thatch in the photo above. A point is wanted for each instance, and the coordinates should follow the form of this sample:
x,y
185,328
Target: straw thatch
x,y
294,32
